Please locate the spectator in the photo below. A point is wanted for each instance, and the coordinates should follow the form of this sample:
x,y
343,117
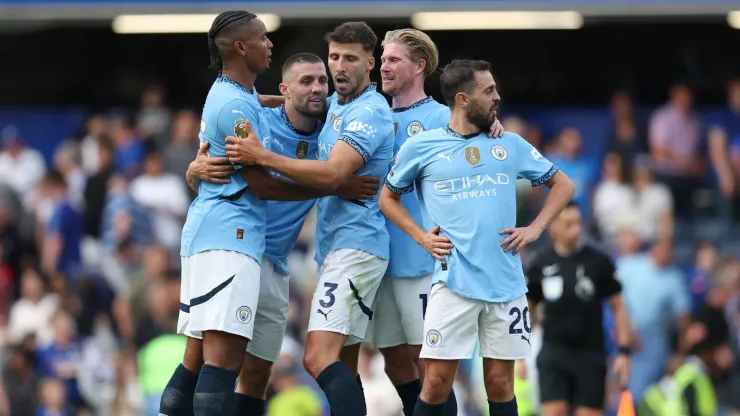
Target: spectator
x,y
20,381
96,190
379,391
12,250
611,197
95,128
628,138
62,358
657,302
184,144
292,398
129,148
53,399
60,250
31,314
580,168
97,373
700,275
17,157
4,401
65,162
652,204
153,119
163,308
724,148
128,396
165,195
155,261
675,146
124,218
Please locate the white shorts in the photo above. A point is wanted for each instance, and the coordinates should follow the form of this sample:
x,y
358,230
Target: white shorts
x,y
453,325
345,293
271,317
219,291
399,311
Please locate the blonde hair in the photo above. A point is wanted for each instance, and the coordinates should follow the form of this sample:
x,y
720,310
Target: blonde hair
x,y
419,45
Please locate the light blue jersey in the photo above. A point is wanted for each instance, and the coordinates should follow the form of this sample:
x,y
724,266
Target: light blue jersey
x,y
409,259
227,216
285,218
365,123
468,187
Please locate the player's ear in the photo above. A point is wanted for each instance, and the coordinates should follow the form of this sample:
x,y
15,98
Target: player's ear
x,y
284,90
421,66
461,99
240,48
370,63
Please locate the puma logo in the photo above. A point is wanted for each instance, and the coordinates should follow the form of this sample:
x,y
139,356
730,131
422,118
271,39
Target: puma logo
x,y
326,314
527,339
445,156
279,144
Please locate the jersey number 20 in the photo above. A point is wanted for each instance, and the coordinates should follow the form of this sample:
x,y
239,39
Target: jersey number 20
x,y
519,315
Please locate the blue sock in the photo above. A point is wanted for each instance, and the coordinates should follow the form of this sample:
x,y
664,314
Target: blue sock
x,y
408,393
425,409
359,383
214,394
342,390
451,404
177,397
248,405
503,409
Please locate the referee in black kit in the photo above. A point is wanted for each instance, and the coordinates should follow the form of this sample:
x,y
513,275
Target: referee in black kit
x,y
573,280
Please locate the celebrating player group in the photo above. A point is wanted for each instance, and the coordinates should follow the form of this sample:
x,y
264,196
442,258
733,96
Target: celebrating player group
x,y
415,238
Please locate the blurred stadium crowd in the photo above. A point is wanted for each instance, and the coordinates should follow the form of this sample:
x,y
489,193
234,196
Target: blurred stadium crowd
x,y
89,255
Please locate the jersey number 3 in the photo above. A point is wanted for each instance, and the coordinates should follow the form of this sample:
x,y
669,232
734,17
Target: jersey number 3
x,y
519,315
330,288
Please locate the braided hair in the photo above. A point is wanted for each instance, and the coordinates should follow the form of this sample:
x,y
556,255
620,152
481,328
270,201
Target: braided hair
x,y
223,25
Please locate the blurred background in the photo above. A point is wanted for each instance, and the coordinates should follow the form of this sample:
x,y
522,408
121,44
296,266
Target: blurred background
x,y
637,101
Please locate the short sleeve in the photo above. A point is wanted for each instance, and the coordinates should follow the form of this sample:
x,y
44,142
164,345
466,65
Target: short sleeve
x,y
533,277
231,120
405,169
532,165
365,126
612,286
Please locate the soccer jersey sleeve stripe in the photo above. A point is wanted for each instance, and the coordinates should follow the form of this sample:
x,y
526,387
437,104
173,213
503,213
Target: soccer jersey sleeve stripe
x,y
546,177
350,141
396,190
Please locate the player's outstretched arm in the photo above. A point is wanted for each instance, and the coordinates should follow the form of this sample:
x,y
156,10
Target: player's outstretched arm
x,y
270,187
390,203
270,101
328,175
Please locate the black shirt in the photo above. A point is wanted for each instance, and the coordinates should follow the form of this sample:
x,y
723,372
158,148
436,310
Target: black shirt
x,y
573,289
